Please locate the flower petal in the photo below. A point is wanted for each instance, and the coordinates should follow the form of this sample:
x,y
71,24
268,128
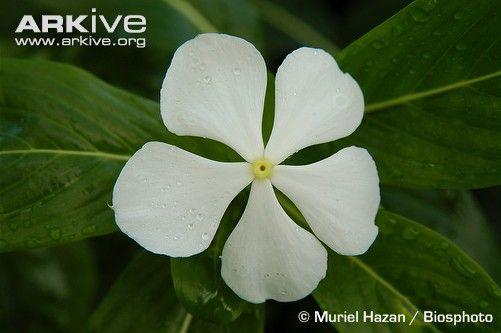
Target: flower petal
x,y
338,196
171,201
268,256
215,88
315,102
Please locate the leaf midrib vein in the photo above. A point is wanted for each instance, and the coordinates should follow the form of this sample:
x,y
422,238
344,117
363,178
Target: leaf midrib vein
x,y
101,154
385,284
423,94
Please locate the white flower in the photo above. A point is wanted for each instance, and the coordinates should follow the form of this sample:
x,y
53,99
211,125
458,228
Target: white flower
x,y
171,201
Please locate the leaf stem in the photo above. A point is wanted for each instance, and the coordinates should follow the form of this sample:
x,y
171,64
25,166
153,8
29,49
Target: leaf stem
x,y
186,323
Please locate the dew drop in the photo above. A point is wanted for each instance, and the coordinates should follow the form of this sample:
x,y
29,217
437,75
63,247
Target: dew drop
x,y
205,236
341,100
494,290
419,15
55,233
461,46
208,79
459,15
90,229
32,243
463,268
236,71
191,226
410,233
283,292
444,246
378,45
267,275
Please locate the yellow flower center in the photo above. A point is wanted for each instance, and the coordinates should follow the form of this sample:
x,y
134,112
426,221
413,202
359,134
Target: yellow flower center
x,y
262,168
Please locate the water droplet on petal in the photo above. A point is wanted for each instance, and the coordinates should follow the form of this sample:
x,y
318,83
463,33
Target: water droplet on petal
x,y
205,236
191,226
236,71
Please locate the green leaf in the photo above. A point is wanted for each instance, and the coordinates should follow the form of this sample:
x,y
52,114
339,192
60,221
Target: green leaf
x,y
143,300
453,213
409,268
197,279
64,137
431,77
53,288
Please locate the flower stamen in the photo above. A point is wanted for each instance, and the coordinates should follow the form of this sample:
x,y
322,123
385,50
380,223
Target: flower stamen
x,y
262,168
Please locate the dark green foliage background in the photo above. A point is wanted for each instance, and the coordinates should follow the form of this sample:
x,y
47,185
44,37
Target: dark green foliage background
x,y
430,72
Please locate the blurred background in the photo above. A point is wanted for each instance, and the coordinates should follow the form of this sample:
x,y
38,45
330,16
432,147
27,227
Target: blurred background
x,y
55,289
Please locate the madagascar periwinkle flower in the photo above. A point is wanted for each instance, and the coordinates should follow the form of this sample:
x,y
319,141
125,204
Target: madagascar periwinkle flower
x,y
171,201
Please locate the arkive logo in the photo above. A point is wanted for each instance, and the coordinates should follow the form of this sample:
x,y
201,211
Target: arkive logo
x,y
81,28
70,23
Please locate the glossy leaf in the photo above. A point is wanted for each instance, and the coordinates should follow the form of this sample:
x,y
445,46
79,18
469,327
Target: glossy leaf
x,y
143,300
431,77
453,213
64,137
409,268
53,288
